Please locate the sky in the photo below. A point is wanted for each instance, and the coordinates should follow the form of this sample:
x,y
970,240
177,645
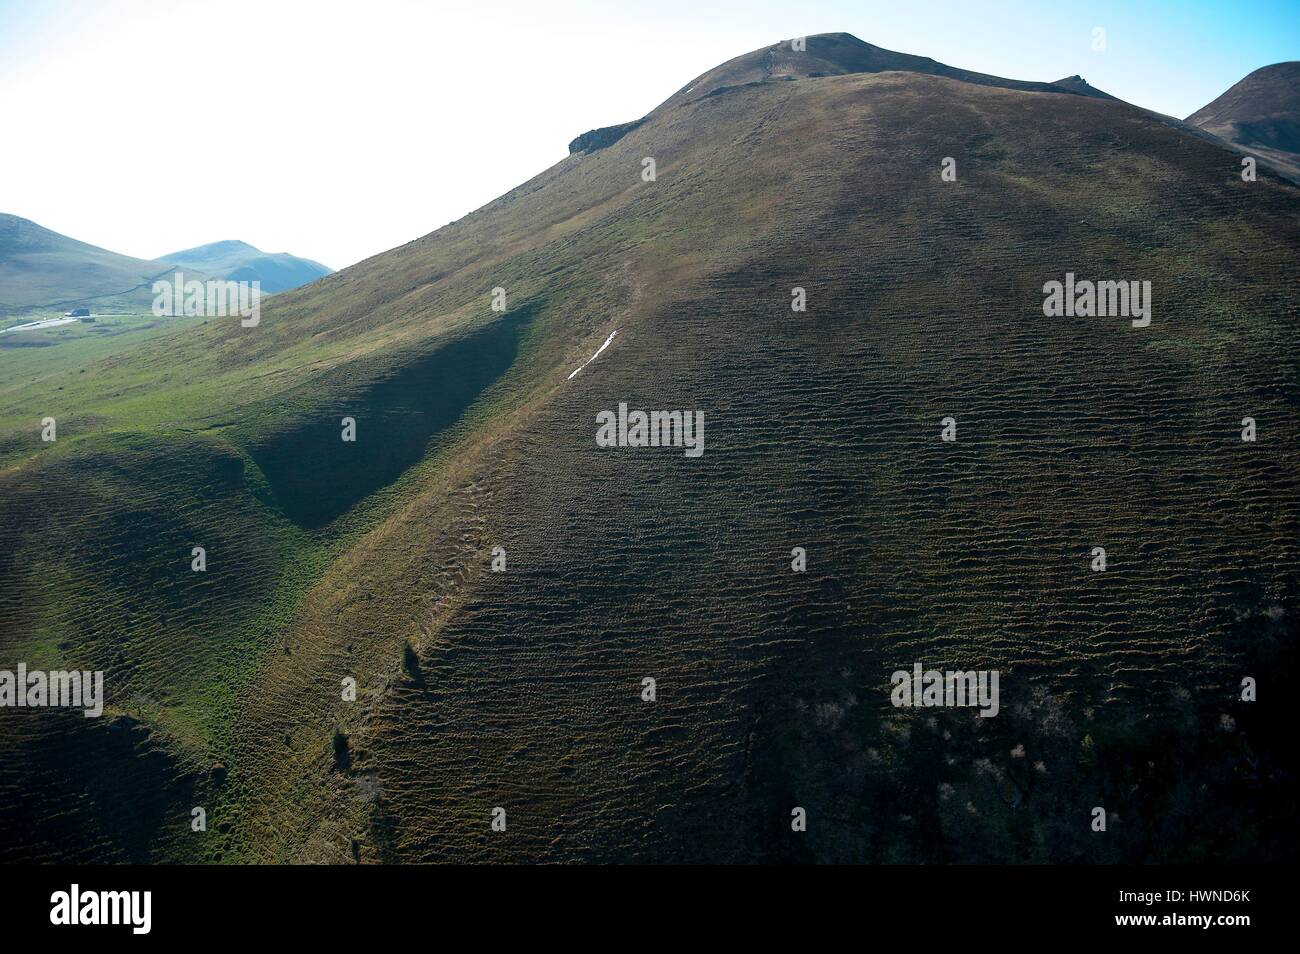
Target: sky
x,y
337,130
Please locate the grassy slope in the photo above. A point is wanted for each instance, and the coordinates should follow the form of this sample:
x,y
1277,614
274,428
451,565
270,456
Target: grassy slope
x,y
42,270
925,300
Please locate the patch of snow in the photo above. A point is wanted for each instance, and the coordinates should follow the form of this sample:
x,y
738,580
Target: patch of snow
x,y
594,356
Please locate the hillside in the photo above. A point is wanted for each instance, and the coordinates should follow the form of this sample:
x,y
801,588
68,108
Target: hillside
x,y
241,262
371,560
43,270
1261,115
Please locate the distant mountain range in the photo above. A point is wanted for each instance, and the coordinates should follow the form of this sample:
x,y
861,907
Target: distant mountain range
x,y
42,270
239,261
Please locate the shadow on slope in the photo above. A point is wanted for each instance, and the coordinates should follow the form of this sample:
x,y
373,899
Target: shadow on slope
x,y
94,790
317,476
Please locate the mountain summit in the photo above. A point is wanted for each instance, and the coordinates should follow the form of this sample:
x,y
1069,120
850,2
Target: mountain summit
x,y
835,54
233,260
824,54
1260,114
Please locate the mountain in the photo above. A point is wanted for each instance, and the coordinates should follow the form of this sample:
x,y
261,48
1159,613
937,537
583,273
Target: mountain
x,y
41,269
830,54
839,54
1077,84
614,649
1260,115
239,261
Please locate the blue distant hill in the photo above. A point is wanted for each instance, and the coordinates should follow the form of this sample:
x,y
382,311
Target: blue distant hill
x,y
238,261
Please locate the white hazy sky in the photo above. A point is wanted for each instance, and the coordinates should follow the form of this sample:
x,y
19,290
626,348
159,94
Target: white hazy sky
x,y
337,130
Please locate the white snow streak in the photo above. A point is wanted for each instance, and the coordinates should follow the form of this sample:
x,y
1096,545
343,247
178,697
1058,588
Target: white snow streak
x,y
594,356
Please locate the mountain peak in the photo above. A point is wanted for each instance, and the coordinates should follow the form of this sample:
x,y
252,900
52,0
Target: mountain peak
x,y
813,57
238,261
837,54
1268,91
1258,114
224,247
